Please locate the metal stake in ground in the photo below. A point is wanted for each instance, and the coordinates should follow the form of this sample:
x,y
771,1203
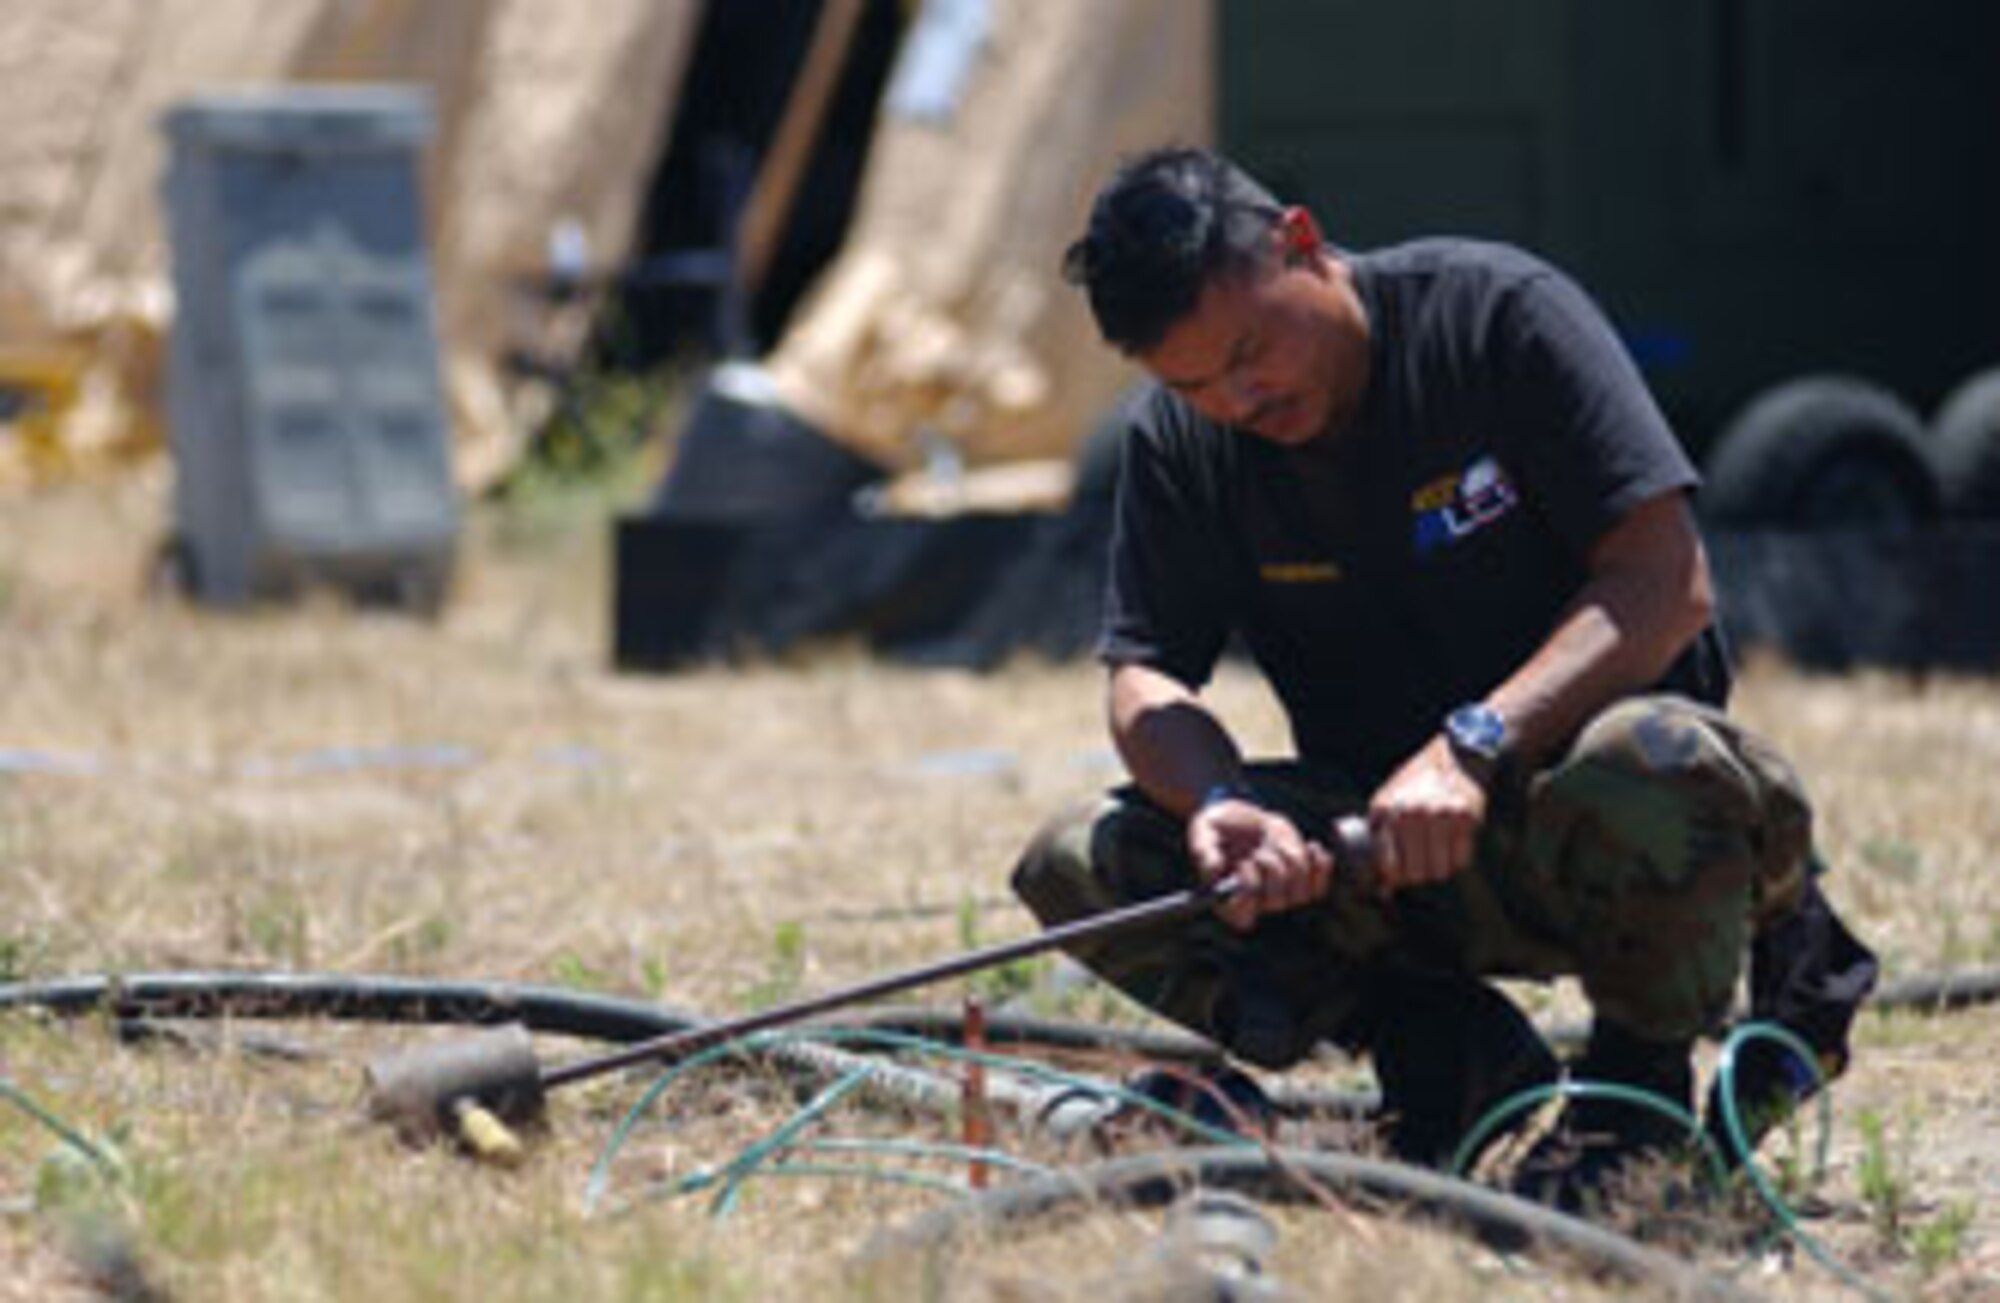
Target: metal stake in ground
x,y
432,1090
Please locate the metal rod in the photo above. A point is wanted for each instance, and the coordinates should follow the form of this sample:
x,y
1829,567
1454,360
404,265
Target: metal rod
x,y
676,1045
1352,855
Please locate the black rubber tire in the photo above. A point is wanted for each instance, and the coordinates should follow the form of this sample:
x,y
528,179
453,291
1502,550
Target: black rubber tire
x,y
1823,452
1966,440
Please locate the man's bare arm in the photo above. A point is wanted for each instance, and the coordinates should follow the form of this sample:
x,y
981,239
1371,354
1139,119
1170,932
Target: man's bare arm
x,y
1179,753
1175,749
1647,596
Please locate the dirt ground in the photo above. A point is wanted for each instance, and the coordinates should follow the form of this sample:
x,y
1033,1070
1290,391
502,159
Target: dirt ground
x,y
315,789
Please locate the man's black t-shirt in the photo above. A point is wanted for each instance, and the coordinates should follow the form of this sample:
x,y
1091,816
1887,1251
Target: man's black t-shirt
x,y
1418,557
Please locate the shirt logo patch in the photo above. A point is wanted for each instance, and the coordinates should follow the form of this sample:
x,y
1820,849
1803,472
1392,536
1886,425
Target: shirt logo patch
x,y
1458,506
1299,572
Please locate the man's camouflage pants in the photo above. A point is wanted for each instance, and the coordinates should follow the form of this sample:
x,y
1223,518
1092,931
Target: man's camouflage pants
x,y
1640,863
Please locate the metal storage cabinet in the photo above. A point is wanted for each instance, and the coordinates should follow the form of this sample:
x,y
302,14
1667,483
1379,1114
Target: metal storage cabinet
x,y
308,423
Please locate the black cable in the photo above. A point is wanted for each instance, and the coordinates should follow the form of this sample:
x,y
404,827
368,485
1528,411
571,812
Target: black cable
x,y
1921,993
1938,992
1146,1177
349,998
197,994
1149,1180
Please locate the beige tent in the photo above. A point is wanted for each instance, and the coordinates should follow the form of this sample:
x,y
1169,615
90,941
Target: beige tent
x,y
943,319
940,320
546,112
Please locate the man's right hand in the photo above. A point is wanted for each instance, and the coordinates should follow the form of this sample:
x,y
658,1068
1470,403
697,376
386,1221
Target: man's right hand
x,y
1275,868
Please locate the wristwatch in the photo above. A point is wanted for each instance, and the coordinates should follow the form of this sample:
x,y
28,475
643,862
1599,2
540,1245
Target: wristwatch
x,y
1478,737
1238,790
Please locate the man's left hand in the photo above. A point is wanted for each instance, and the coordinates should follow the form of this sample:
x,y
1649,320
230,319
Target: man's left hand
x,y
1426,819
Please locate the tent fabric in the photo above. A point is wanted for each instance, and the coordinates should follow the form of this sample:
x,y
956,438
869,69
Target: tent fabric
x,y
943,319
541,118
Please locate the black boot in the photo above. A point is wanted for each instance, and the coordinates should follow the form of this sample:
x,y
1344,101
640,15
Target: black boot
x,y
1596,1140
1809,975
1446,1050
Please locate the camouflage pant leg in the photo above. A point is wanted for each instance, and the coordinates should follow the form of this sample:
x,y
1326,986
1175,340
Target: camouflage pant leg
x,y
1639,863
1646,856
1267,994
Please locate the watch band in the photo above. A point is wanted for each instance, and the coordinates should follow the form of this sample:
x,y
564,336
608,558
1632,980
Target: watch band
x,y
1234,790
1477,736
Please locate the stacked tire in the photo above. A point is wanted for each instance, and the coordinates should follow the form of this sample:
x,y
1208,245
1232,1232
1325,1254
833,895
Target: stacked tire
x,y
1837,452
1966,439
1847,533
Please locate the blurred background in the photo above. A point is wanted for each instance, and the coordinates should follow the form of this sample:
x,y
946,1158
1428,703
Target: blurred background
x,y
782,272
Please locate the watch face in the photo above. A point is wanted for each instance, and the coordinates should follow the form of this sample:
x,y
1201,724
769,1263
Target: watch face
x,y
1478,729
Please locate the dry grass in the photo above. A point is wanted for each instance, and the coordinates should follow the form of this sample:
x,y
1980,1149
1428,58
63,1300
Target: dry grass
x,y
317,790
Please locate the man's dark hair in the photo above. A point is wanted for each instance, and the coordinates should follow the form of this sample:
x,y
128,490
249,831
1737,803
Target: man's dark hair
x,y
1165,223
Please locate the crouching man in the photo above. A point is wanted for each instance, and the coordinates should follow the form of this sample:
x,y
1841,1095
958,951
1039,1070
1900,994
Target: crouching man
x,y
1427,490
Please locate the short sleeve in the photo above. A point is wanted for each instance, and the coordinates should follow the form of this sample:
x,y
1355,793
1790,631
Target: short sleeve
x,y
1578,427
1165,603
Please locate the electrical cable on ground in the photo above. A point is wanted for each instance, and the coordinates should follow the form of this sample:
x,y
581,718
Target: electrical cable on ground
x,y
1152,1179
100,1161
754,1160
560,1010
765,1042
1741,1148
864,1172
1534,1097
349,998
1732,1118
765,1156
942,1149
197,994
738,1170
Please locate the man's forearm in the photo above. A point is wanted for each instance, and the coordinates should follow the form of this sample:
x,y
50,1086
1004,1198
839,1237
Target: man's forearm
x,y
1637,612
1172,745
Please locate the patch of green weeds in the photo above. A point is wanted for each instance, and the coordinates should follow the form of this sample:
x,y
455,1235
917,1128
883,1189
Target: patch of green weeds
x,y
1940,1242
67,1181
179,869
425,942
21,956
1952,948
274,927
1884,1187
650,1276
653,977
590,459
1788,1163
784,967
72,1167
1011,980
573,971
1892,857
209,1215
1894,1028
